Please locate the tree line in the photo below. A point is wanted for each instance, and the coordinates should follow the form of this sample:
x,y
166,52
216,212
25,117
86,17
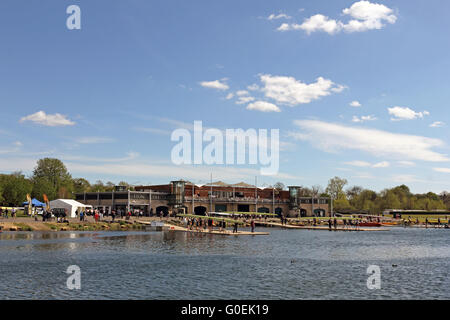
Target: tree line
x,y
51,177
359,199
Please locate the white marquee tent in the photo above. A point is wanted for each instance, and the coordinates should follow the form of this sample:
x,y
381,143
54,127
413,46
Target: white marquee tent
x,y
70,205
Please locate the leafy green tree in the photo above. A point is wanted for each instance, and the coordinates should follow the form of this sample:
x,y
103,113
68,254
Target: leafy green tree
x,y
41,186
54,175
15,188
342,204
98,186
81,185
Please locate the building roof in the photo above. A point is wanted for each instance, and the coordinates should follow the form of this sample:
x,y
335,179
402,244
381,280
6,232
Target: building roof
x,y
67,202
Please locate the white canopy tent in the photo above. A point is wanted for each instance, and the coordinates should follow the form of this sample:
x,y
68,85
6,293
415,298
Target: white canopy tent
x,y
71,205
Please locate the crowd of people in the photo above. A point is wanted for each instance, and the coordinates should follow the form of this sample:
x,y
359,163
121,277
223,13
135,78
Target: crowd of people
x,y
4,212
208,223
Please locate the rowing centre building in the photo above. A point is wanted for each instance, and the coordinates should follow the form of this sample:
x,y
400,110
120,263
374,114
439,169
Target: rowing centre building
x,y
183,196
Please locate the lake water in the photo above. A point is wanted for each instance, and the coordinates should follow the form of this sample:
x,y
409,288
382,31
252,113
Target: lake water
x,y
287,264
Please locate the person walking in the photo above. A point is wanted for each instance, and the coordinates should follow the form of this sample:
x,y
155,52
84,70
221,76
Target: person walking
x,y
252,224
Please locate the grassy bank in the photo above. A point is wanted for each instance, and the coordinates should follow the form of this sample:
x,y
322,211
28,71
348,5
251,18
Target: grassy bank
x,y
71,226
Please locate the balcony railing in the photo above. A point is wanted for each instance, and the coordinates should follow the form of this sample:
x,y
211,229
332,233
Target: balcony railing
x,y
234,200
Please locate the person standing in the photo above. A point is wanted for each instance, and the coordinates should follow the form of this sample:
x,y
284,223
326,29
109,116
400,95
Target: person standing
x,y
235,228
252,224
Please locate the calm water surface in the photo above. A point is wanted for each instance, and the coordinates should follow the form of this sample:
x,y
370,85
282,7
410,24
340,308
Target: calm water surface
x,y
288,264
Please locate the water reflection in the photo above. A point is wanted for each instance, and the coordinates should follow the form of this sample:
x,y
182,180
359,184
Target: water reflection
x,y
288,264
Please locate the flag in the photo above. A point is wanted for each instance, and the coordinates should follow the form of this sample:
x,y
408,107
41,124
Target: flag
x,y
47,203
29,204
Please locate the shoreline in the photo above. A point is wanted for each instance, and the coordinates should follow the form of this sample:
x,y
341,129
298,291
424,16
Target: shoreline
x,y
28,224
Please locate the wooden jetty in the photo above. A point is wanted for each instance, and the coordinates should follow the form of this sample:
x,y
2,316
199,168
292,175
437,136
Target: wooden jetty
x,y
171,227
323,228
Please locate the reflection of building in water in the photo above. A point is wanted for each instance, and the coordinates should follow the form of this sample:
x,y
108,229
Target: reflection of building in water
x,y
179,196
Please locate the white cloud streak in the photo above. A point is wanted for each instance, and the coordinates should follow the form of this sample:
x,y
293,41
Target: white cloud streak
x,y
216,84
364,118
331,137
437,124
263,106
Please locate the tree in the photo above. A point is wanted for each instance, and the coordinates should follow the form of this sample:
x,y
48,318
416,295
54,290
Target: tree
x,y
81,185
305,192
335,187
43,186
15,188
279,186
342,204
354,192
98,186
53,173
316,190
391,200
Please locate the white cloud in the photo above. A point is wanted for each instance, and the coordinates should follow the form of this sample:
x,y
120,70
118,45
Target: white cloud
x,y
284,27
364,16
82,158
289,91
16,147
253,87
405,113
404,178
368,16
50,120
153,130
437,124
263,106
383,164
331,137
364,118
406,163
229,96
244,100
278,16
443,170
364,164
355,104
319,22
93,140
241,93
358,163
339,88
216,84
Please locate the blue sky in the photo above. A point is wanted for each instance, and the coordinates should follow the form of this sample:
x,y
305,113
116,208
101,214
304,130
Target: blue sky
x,y
111,93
